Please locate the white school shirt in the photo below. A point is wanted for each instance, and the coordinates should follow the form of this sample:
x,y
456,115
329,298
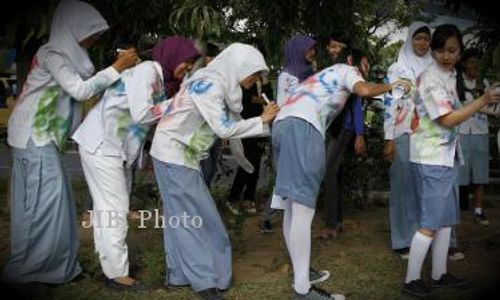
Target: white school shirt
x,y
118,124
478,123
196,116
48,108
399,113
431,143
286,84
320,98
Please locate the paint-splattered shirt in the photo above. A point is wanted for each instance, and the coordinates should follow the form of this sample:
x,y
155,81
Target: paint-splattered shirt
x,y
118,124
320,98
436,96
49,108
196,116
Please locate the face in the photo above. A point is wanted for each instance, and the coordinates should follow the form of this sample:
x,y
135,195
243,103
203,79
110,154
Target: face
x,y
449,55
334,49
249,81
421,43
90,41
310,55
182,68
364,67
471,67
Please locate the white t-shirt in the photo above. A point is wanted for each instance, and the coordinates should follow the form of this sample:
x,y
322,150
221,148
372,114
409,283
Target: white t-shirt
x,y
320,98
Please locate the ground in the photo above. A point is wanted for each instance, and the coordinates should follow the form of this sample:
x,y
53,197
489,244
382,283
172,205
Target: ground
x,y
360,261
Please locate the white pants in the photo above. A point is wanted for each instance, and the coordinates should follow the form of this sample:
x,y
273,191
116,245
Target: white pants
x,y
109,186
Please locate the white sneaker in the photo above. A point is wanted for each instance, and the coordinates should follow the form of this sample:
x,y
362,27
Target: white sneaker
x,y
455,254
232,208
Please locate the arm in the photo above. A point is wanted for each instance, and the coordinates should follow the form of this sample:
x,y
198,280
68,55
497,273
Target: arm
x,y
456,117
72,83
210,104
146,94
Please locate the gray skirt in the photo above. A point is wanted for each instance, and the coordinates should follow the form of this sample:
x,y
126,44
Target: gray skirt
x,y
475,148
299,159
44,232
436,193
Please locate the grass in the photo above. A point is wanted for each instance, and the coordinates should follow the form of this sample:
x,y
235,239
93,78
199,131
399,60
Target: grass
x,y
361,264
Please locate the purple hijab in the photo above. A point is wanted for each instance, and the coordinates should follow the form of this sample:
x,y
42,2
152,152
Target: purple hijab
x,y
170,53
295,62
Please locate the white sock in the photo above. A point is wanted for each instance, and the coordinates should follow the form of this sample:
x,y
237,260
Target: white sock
x,y
418,250
287,223
299,246
440,252
478,210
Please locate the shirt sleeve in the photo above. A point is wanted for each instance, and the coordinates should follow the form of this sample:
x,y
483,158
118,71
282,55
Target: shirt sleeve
x,y
436,100
286,83
351,77
146,94
359,126
71,82
210,104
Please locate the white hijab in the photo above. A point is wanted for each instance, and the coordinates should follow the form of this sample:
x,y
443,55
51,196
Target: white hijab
x,y
230,67
73,21
410,65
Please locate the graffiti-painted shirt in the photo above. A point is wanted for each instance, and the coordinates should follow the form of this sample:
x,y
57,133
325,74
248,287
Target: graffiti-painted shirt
x,y
118,124
286,84
197,114
48,108
478,123
436,96
320,98
398,113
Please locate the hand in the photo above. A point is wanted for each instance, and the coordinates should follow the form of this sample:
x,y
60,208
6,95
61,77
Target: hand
x,y
125,60
360,145
389,150
492,94
270,112
405,84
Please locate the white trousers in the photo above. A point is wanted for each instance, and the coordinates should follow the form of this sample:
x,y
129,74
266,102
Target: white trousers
x,y
107,178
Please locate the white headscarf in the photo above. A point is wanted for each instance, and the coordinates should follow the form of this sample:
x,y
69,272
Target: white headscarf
x,y
73,21
410,65
230,67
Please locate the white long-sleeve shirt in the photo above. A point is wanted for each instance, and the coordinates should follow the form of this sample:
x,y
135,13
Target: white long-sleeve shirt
x,y
197,114
48,108
118,124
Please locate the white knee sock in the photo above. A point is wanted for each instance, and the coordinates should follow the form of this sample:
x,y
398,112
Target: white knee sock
x,y
300,246
418,250
287,223
440,252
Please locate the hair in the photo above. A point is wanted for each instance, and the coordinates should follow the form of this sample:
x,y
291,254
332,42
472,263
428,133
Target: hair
x,y
468,53
423,29
341,36
443,33
121,42
212,49
355,54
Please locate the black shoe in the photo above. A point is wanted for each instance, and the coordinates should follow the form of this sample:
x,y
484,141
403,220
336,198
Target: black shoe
x,y
265,227
450,281
210,294
137,286
418,288
481,219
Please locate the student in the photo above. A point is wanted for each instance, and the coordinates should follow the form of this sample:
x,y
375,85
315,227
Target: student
x,y
346,130
253,149
111,139
434,155
337,42
299,155
300,53
474,138
44,235
414,57
207,106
